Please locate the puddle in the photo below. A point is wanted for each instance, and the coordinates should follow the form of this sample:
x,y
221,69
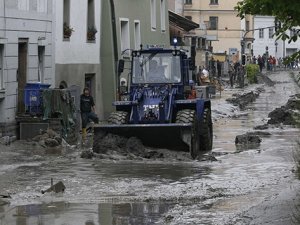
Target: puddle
x,y
62,213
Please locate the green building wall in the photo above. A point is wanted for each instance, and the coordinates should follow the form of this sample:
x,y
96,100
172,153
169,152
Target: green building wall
x,y
133,11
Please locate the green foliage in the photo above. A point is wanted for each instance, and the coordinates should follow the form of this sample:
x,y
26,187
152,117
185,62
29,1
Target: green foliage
x,y
287,12
252,71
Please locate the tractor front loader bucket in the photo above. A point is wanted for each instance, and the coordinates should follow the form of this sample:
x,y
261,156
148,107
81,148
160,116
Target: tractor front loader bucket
x,y
170,136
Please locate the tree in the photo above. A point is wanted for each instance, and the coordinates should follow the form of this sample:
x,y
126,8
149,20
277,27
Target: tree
x,y
285,11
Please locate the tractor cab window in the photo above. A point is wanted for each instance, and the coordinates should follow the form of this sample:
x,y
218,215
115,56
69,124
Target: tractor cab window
x,y
156,68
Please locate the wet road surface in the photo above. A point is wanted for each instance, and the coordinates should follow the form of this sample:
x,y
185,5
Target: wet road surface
x,y
252,186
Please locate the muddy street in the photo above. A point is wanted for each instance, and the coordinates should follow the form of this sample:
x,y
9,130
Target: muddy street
x,y
231,185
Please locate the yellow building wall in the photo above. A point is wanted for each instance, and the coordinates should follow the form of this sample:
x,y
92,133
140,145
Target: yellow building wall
x,y
229,32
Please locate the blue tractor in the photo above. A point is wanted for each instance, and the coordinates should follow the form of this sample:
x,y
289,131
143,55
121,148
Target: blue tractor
x,y
158,107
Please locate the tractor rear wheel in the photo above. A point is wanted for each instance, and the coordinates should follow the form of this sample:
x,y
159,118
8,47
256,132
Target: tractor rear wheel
x,y
206,131
118,118
189,116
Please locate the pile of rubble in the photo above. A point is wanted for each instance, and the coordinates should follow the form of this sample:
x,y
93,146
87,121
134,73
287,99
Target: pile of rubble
x,y
116,147
244,98
48,138
289,114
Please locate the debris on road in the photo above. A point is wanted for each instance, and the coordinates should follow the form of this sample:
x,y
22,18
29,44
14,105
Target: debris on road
x,y
48,138
247,141
87,154
261,127
244,98
57,188
289,114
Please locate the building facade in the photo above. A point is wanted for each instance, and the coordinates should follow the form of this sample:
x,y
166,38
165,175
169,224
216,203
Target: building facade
x,y
77,46
26,53
126,26
176,6
224,28
265,41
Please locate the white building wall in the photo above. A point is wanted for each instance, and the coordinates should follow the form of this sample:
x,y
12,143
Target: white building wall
x,y
179,6
259,45
176,6
29,20
76,58
77,50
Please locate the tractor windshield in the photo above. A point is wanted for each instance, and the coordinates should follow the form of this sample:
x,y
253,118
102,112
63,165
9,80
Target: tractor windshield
x,y
156,67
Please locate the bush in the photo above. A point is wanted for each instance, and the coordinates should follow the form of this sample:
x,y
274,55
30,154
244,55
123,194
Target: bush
x,y
252,71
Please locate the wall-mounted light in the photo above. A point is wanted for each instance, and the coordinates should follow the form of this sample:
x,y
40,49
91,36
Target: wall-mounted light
x,y
175,41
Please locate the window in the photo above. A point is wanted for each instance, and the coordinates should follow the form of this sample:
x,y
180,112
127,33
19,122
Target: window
x,y
1,66
214,2
156,68
91,29
188,17
42,6
125,36
67,30
247,25
271,33
153,14
163,15
201,43
213,23
261,33
188,2
137,34
41,63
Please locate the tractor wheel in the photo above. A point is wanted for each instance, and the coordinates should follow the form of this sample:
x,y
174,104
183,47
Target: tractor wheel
x,y
189,116
118,118
206,131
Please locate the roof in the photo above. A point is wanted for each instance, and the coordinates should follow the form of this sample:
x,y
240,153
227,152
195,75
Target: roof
x,y
182,22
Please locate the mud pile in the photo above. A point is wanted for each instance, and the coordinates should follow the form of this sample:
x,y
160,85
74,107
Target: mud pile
x,y
116,147
48,138
243,99
264,79
247,141
289,114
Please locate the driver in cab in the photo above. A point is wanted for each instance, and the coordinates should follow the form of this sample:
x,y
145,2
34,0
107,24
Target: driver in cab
x,y
156,73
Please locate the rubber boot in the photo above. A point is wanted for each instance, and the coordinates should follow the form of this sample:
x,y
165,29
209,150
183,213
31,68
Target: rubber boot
x,y
83,133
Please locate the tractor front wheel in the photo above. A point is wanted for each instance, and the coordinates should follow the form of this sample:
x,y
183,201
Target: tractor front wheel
x,y
206,131
189,116
118,118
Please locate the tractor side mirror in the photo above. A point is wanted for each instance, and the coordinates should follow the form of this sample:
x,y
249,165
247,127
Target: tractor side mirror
x,y
121,66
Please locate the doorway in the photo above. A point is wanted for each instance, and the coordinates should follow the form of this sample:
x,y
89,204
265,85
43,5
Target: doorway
x,y
90,82
22,72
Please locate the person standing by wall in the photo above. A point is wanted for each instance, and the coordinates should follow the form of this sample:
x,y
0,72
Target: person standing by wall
x,y
231,74
88,110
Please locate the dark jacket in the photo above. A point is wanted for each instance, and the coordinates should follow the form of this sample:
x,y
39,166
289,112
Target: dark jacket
x,y
86,103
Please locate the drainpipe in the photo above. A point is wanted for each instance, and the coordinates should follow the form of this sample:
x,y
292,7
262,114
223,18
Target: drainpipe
x,y
114,30
115,41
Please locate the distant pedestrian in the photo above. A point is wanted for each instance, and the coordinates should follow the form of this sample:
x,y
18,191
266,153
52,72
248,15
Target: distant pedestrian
x,y
212,67
236,70
231,74
219,68
88,110
254,59
260,63
274,62
297,64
